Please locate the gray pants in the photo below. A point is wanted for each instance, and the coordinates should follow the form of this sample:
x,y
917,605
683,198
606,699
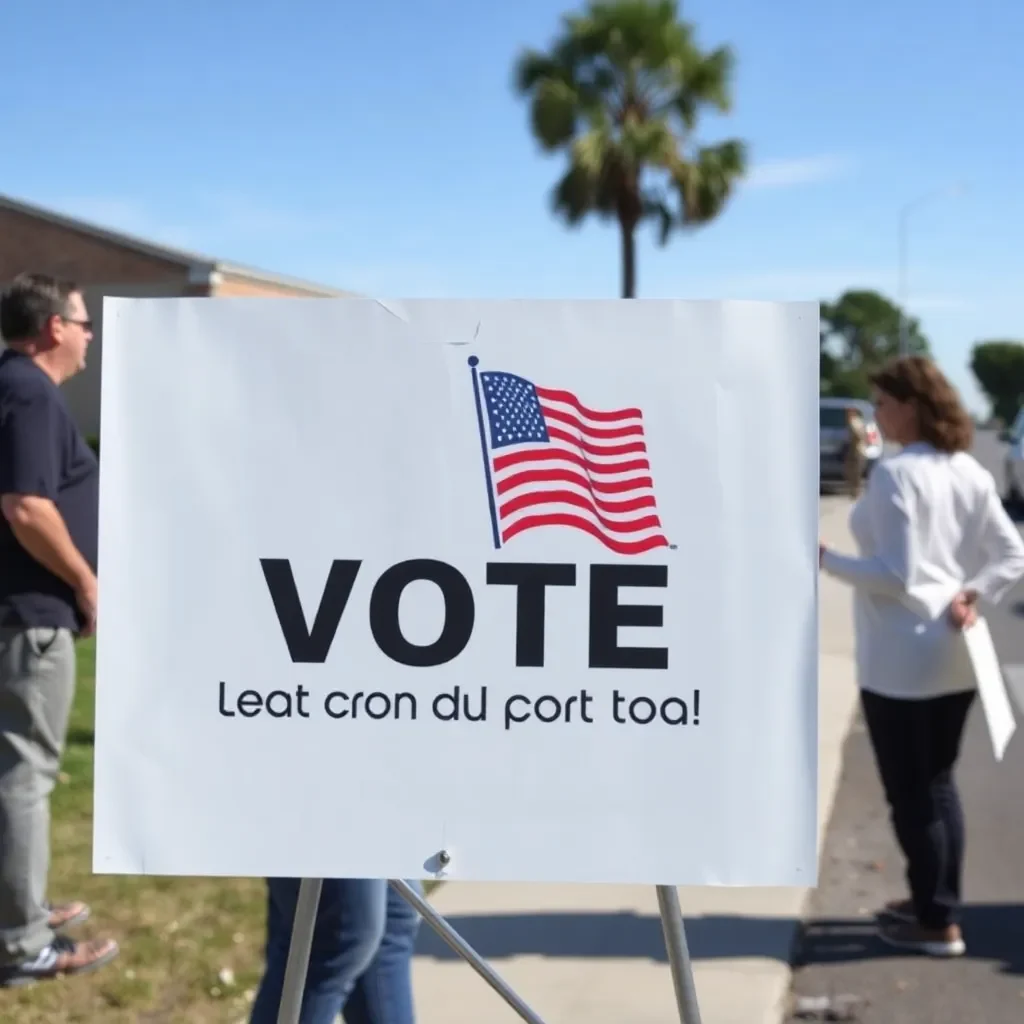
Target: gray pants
x,y
37,684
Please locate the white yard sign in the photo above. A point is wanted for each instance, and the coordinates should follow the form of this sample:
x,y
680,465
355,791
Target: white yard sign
x,y
533,583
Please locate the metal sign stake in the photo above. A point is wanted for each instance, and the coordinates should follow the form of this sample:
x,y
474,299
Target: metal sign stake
x,y
463,948
298,951
305,921
678,954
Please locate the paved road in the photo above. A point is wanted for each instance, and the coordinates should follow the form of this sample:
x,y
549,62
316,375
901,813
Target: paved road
x,y
861,869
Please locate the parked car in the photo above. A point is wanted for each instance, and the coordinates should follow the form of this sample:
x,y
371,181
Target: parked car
x,y
1013,463
834,436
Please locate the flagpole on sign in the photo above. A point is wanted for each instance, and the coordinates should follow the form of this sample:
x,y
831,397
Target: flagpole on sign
x,y
464,949
473,363
299,948
678,954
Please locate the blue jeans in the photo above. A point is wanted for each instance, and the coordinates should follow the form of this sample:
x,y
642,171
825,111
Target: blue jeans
x,y
361,961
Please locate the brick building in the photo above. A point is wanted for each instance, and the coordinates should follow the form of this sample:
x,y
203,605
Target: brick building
x,y
108,262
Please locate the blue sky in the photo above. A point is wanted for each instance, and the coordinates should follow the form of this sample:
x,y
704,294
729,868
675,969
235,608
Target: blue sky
x,y
379,147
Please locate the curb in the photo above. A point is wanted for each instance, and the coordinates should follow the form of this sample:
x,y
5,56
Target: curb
x,y
829,785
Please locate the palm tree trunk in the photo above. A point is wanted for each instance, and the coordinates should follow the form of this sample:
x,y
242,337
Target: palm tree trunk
x,y
628,232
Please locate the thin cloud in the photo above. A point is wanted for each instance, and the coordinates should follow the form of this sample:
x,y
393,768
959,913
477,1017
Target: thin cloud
x,y
215,219
124,215
234,214
794,284
936,303
811,284
120,214
801,171
394,279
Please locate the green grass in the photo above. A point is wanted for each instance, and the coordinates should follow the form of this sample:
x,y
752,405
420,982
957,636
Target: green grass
x,y
191,948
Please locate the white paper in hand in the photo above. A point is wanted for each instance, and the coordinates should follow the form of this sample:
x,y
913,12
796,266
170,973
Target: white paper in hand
x,y
991,688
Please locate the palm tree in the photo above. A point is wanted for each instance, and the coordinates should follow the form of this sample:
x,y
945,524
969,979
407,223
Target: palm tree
x,y
620,91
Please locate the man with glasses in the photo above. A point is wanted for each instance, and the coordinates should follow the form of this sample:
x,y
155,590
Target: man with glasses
x,y
49,500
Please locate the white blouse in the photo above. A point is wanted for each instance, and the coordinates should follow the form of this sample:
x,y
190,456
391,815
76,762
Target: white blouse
x,y
929,525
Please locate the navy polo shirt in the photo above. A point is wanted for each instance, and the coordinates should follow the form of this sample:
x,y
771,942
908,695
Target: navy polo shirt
x,y
43,453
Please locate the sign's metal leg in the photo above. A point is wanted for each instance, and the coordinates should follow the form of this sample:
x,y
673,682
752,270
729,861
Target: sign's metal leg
x,y
305,921
678,954
298,951
460,946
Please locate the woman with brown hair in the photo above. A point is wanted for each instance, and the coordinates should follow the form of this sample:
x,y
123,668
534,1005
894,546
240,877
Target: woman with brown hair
x,y
934,542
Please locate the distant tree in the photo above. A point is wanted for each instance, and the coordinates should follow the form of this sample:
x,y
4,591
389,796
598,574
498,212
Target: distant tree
x,y
998,367
620,92
860,331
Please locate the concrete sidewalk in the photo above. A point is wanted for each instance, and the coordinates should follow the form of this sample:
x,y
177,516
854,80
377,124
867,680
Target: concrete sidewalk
x,y
595,953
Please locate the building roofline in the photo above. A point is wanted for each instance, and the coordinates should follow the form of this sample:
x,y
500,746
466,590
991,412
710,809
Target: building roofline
x,y
201,269
268,277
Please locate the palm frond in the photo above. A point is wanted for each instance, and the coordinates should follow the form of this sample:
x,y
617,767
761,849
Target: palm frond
x,y
590,152
554,112
656,208
533,67
574,195
704,81
647,143
706,183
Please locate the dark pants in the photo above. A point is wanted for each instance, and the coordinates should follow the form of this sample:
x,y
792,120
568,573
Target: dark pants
x,y
360,963
916,745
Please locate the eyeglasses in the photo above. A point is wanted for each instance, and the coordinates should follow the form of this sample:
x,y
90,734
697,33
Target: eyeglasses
x,y
84,324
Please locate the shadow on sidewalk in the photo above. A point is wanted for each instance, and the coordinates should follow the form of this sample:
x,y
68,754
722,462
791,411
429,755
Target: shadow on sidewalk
x,y
993,932
613,936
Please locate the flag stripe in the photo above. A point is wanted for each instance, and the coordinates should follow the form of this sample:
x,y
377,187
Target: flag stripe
x,y
539,476
632,448
620,547
613,527
648,522
555,395
552,412
503,462
556,495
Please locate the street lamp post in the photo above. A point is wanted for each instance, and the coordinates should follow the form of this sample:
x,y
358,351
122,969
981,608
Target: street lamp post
x,y
904,218
902,288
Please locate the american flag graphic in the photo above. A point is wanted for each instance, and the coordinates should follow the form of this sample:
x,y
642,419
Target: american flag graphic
x,y
552,461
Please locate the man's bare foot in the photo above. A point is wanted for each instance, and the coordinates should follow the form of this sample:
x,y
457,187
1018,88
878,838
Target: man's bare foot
x,y
68,915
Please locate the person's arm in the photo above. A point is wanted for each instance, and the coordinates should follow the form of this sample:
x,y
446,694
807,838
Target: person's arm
x,y
888,572
29,476
41,531
1003,548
